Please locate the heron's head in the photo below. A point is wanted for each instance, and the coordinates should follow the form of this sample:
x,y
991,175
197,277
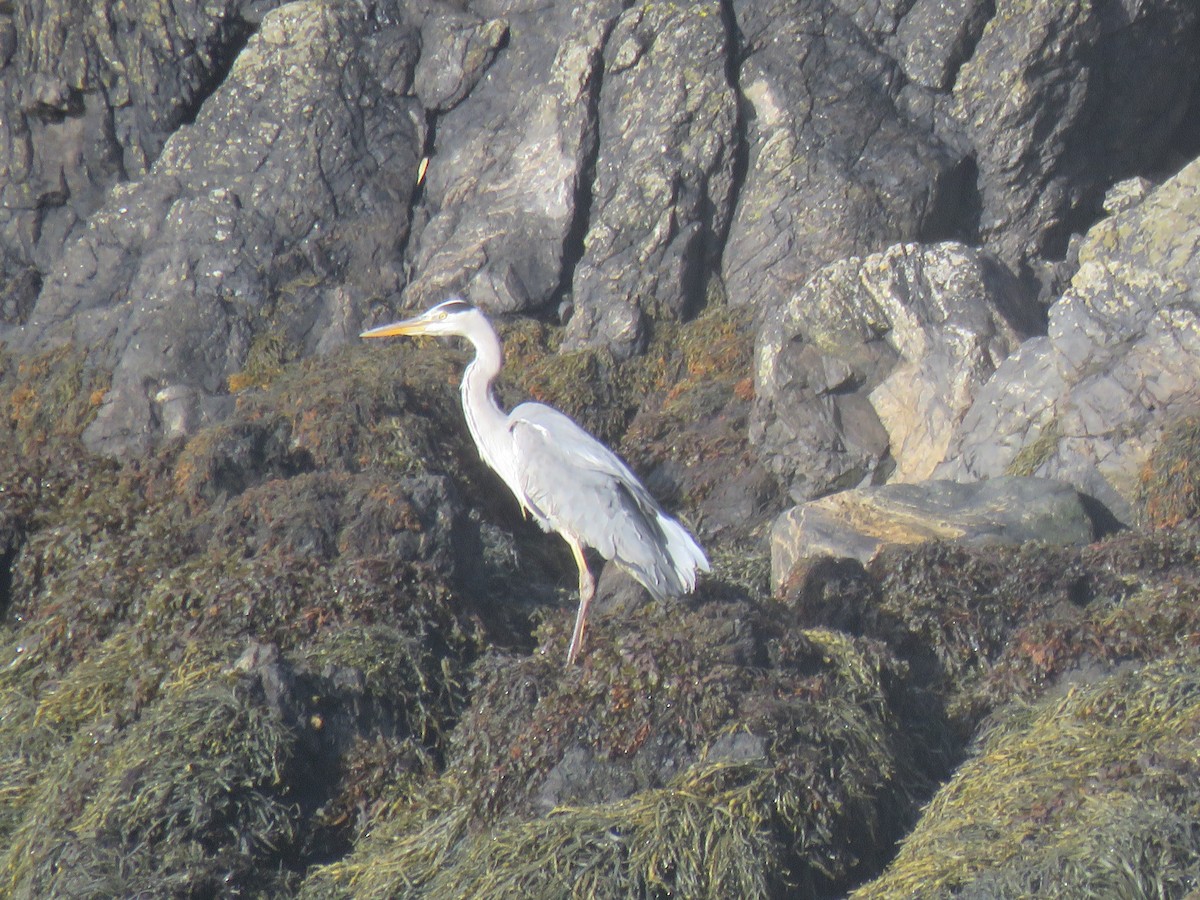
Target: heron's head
x,y
450,317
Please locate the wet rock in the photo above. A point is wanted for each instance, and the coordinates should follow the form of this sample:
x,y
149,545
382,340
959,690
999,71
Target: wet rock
x,y
863,375
858,524
1085,403
834,169
662,195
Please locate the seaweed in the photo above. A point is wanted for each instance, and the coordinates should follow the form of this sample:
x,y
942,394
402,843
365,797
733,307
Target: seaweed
x,y
50,396
187,664
189,799
1168,486
981,627
1087,794
792,776
1035,453
253,662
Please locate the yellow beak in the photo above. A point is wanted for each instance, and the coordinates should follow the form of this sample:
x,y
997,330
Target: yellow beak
x,y
408,326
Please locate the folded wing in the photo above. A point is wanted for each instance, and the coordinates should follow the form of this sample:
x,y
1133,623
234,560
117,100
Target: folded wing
x,y
573,483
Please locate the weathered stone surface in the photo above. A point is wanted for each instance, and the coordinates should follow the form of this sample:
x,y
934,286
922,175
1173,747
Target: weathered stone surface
x,y
1126,194
501,193
456,49
876,18
662,195
858,524
935,37
89,93
864,374
612,157
1061,99
1085,403
278,187
833,170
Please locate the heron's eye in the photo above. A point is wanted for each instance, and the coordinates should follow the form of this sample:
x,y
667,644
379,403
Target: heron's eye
x,y
441,315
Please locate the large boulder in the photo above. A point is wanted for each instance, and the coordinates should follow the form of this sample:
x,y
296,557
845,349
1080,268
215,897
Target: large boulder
x,y
89,94
1061,99
1086,403
859,524
863,375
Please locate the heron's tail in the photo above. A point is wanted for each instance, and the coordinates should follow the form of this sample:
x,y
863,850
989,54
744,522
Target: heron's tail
x,y
684,554
665,558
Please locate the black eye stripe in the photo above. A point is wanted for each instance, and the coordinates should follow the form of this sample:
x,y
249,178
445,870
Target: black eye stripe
x,y
453,306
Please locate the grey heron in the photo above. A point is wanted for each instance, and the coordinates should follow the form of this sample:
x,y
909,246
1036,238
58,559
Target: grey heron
x,y
562,477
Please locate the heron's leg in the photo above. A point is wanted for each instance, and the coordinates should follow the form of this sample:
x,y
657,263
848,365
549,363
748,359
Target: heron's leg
x,y
587,588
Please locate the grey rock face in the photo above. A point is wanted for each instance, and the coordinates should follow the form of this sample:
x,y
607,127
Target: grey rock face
x,y
1060,99
501,193
936,36
858,524
662,195
629,161
834,169
864,374
89,93
457,48
1122,354
280,185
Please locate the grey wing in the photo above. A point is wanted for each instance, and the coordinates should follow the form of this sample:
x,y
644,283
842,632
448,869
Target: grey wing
x,y
579,486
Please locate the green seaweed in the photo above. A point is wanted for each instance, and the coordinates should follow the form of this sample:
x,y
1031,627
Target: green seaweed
x,y
190,798
1035,453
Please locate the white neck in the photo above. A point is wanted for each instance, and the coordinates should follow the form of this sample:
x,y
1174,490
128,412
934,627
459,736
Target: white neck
x,y
487,422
